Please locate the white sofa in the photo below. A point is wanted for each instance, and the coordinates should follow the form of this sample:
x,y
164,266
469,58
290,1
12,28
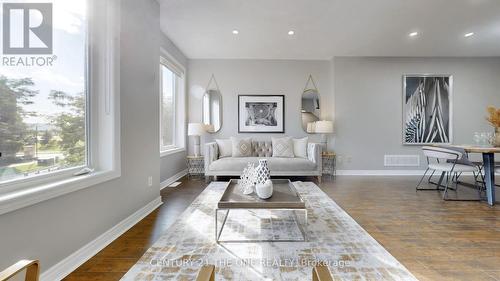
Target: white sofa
x,y
279,166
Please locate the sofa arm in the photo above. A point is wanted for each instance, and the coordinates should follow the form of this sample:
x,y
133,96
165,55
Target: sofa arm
x,y
314,151
211,153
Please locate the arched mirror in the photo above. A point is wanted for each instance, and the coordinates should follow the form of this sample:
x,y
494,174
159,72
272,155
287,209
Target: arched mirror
x,y
212,110
310,107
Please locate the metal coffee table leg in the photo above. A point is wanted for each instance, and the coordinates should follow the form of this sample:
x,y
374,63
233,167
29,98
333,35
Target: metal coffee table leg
x,y
219,233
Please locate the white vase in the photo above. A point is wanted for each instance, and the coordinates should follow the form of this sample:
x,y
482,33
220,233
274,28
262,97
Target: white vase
x,y
264,190
262,172
248,189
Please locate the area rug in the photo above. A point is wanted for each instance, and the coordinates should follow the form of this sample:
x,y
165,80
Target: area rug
x,y
334,239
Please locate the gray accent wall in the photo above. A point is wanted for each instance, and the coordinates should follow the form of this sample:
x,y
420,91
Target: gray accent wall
x,y
54,229
368,104
257,77
363,95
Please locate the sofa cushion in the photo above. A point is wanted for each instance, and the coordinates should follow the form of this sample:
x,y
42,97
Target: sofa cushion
x,y
283,147
300,147
225,147
275,164
262,149
241,147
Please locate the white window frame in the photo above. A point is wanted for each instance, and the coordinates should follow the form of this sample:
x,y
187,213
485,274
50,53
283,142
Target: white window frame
x,y
179,140
103,118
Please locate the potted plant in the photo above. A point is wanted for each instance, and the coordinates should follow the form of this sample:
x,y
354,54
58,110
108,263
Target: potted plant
x,y
494,119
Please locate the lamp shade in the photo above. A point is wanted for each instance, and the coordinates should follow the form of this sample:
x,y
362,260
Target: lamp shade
x,y
209,128
196,129
310,127
323,127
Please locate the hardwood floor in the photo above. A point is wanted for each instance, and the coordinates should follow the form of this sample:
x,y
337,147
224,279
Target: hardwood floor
x,y
434,239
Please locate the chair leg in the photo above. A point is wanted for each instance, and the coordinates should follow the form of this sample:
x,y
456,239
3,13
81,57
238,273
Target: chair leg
x,y
446,187
476,183
421,179
430,177
438,184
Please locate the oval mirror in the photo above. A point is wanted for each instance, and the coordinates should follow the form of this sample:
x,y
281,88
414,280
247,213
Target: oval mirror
x,y
310,108
212,110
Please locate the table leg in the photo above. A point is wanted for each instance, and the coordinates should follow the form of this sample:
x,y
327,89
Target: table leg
x,y
218,233
489,174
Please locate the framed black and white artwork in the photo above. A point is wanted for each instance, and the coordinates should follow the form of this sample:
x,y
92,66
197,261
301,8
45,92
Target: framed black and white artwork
x,y
427,109
261,114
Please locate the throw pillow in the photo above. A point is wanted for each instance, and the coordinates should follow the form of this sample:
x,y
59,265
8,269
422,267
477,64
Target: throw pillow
x,y
225,147
300,147
283,147
241,147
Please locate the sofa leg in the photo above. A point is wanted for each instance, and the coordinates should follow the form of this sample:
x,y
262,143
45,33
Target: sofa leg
x,y
319,179
215,178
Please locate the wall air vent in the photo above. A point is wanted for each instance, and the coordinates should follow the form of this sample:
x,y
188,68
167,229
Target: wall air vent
x,y
401,160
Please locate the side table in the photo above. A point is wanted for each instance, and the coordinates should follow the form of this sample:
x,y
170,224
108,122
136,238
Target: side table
x,y
195,166
329,163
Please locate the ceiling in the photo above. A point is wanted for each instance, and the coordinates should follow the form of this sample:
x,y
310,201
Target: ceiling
x,y
328,28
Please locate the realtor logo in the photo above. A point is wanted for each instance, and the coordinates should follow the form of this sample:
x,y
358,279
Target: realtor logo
x,y
27,28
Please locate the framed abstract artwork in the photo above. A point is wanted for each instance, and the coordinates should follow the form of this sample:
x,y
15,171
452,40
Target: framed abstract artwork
x,y
261,113
427,109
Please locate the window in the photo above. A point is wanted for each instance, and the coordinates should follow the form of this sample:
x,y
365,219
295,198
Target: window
x,y
60,117
43,97
168,90
171,101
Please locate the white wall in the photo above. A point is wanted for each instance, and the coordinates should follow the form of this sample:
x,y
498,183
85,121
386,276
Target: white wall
x,y
53,229
368,104
254,77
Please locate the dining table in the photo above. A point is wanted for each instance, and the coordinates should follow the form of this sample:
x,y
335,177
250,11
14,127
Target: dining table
x,y
488,166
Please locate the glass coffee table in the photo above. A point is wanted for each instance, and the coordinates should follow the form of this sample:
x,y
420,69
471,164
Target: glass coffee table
x,y
285,198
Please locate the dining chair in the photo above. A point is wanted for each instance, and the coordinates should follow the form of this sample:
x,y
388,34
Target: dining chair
x,y
206,273
321,273
31,268
451,162
480,165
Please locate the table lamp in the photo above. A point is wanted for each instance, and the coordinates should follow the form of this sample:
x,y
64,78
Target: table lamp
x,y
310,127
196,130
323,127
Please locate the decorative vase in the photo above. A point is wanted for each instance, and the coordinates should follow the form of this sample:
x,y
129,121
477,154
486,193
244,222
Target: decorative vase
x,y
262,172
496,140
264,190
247,179
247,189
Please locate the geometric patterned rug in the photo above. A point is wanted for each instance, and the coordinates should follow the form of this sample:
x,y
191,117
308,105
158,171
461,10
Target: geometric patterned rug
x,y
334,238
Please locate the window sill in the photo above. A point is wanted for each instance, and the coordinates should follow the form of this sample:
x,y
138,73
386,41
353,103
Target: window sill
x,y
30,196
172,151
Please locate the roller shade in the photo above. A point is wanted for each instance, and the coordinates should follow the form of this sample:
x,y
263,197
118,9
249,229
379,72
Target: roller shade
x,y
174,67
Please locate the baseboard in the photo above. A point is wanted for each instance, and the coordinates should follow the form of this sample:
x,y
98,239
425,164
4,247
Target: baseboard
x,y
73,261
385,173
380,172
173,179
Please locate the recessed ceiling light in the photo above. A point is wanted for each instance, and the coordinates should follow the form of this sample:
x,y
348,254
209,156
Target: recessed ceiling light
x,y
235,31
469,34
291,32
413,34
